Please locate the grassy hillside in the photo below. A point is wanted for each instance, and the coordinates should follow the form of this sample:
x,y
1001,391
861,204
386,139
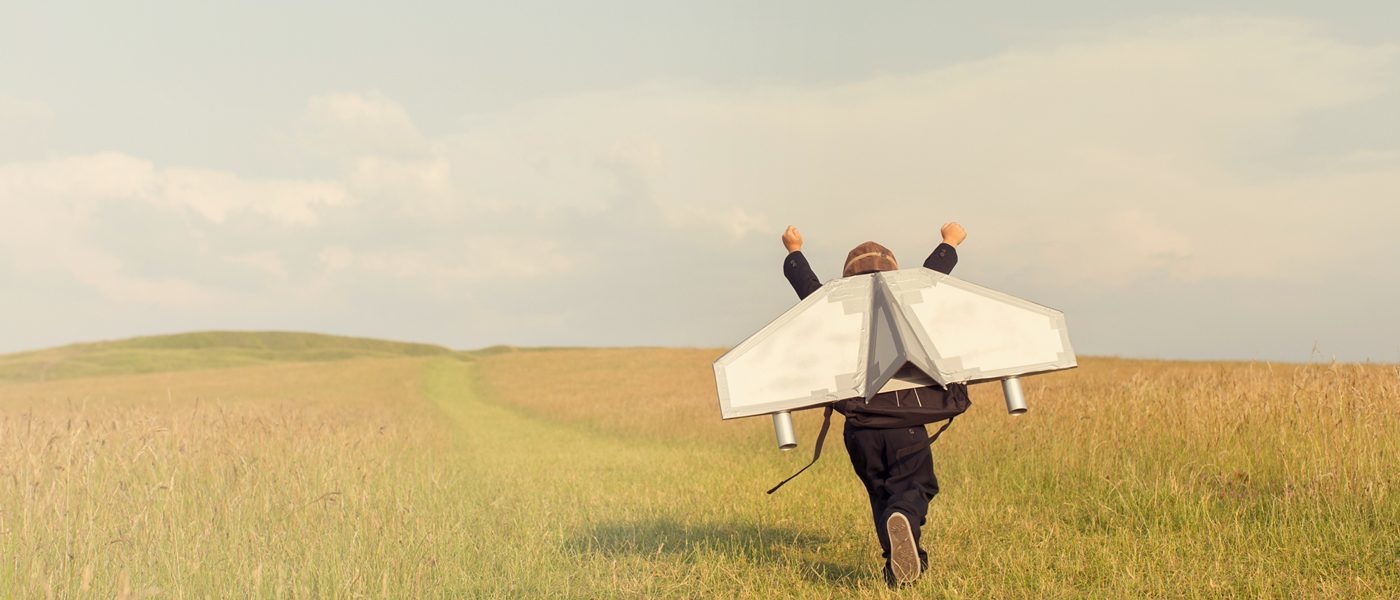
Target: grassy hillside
x,y
607,473
203,350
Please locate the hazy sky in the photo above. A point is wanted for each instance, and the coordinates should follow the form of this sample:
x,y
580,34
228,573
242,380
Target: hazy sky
x,y
1190,180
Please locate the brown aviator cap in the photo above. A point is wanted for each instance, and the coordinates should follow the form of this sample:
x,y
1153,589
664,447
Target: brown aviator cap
x,y
869,257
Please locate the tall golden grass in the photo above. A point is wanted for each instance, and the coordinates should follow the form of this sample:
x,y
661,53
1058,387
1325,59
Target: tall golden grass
x,y
1127,478
271,480
607,473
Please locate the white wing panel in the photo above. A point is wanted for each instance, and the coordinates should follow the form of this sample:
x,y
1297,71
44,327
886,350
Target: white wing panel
x,y
973,333
848,339
814,353
986,334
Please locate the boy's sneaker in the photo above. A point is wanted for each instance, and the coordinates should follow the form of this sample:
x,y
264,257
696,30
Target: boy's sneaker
x,y
904,564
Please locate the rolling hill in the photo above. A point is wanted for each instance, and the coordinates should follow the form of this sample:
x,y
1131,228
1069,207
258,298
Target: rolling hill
x,y
202,350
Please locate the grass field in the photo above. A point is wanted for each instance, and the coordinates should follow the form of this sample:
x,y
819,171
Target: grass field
x,y
285,465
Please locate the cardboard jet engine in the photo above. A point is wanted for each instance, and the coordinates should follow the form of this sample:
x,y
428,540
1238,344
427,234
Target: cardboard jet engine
x,y
887,331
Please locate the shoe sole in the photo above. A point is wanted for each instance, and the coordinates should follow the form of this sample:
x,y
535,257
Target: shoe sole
x,y
904,554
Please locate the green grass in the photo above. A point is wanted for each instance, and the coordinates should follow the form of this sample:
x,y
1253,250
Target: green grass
x,y
606,473
198,351
565,512
1129,479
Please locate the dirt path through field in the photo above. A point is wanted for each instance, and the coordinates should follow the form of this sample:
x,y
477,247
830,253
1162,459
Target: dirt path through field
x,y
565,511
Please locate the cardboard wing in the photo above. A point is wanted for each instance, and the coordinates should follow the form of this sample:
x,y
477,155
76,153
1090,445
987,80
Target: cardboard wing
x,y
961,332
858,336
810,355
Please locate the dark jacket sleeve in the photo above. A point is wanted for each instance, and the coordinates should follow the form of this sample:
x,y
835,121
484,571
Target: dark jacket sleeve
x,y
800,274
943,259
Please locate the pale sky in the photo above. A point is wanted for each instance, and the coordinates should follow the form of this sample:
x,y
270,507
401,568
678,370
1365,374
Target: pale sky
x,y
1192,180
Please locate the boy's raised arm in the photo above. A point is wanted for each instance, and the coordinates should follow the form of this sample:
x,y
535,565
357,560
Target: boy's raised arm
x,y
945,256
795,266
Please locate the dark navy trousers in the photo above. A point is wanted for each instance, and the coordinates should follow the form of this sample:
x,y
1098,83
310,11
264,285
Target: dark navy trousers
x,y
896,467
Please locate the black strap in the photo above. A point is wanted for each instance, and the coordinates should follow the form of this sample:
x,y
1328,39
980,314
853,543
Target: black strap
x,y
933,438
816,450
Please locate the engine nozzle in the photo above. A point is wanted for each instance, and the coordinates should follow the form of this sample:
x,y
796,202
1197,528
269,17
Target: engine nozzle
x,y
782,426
1015,398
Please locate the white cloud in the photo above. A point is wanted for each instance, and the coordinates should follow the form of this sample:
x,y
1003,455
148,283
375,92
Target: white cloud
x,y
79,181
268,262
109,278
1167,147
76,179
472,259
214,195
349,125
416,186
1139,139
1136,151
50,209
337,257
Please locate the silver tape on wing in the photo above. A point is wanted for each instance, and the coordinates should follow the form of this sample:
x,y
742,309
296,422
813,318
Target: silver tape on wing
x,y
812,354
858,336
963,332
